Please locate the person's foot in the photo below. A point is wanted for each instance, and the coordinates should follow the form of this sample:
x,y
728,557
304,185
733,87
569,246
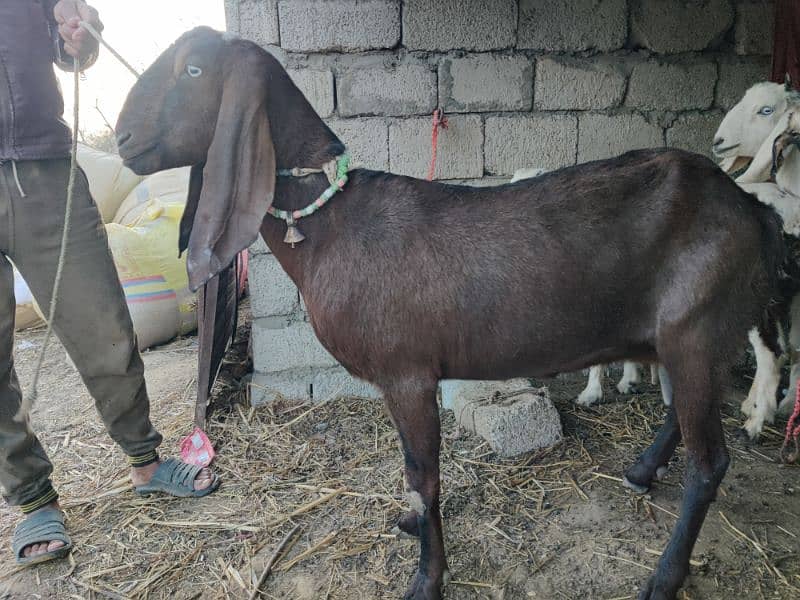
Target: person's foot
x,y
43,547
143,475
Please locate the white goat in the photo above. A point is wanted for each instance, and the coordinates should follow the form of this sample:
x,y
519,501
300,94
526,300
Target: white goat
x,y
746,137
593,392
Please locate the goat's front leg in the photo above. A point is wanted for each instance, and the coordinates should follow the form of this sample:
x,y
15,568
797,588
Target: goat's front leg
x,y
415,413
653,463
630,377
761,402
593,392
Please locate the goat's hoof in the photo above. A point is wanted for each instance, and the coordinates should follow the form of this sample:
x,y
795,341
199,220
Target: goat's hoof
x,y
661,472
661,588
409,523
748,434
627,388
588,399
424,588
637,488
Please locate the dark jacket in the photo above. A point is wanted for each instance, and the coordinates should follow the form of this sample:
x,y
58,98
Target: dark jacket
x,y
31,106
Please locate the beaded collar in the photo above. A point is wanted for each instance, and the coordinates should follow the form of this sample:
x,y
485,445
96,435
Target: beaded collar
x,y
336,171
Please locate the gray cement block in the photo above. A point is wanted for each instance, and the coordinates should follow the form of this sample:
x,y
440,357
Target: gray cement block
x,y
755,27
459,24
737,75
694,132
370,88
256,20
658,85
482,182
572,25
339,25
293,347
672,26
272,293
512,416
232,16
337,383
307,384
541,140
460,153
258,247
569,84
485,82
268,387
317,87
605,136
367,141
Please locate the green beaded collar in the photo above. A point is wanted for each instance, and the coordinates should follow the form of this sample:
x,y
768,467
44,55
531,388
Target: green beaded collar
x,y
336,171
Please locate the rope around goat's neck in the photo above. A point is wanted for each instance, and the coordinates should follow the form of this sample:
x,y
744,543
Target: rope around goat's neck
x,y
23,414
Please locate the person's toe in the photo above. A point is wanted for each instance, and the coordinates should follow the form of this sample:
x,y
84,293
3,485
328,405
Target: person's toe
x,y
54,545
204,479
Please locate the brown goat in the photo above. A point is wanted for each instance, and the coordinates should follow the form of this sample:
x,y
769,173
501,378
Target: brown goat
x,y
408,282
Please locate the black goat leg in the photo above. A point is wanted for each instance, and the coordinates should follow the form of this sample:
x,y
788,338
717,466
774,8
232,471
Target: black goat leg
x,y
696,404
416,415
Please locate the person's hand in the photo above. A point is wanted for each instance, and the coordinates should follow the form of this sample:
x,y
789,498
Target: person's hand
x,y
78,42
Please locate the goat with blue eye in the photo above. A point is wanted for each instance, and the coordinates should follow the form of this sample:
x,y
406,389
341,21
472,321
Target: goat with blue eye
x,y
407,282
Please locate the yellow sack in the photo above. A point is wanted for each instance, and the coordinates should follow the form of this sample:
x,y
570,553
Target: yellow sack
x,y
170,187
152,276
109,181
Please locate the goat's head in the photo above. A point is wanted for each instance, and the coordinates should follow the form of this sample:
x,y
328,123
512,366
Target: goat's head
x,y
203,103
754,121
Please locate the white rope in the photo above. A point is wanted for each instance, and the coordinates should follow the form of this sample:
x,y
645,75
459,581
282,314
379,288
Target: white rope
x,y
116,54
23,414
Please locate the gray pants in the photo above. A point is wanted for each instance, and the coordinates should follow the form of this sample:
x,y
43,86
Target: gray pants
x,y
91,320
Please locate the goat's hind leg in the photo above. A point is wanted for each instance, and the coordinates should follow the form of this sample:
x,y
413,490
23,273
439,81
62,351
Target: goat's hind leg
x,y
416,415
696,406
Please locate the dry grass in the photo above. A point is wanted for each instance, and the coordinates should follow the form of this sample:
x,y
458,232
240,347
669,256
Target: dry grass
x,y
334,471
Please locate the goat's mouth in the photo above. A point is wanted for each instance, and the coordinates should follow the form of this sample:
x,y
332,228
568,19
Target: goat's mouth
x,y
134,158
724,152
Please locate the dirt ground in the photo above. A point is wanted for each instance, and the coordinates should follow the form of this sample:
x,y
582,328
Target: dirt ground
x,y
549,525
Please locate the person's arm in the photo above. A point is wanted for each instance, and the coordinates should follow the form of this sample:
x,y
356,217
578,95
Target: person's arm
x,y
71,40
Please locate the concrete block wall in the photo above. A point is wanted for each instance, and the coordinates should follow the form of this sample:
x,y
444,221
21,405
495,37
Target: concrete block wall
x,y
545,83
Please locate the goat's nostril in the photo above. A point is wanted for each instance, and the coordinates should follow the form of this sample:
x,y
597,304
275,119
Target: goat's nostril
x,y
719,141
122,138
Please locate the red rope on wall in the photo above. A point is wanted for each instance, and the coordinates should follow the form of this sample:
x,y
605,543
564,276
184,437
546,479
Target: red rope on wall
x,y
439,122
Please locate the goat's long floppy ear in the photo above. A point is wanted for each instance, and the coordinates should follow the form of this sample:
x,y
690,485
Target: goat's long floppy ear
x,y
238,180
761,165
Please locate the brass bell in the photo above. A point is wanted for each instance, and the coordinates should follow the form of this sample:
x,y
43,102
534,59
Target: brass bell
x,y
293,234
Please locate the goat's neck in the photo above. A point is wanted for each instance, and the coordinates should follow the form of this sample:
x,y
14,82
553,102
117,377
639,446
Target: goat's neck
x,y
299,136
293,193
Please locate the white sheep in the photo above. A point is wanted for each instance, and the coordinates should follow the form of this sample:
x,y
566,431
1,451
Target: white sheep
x,y
593,392
745,138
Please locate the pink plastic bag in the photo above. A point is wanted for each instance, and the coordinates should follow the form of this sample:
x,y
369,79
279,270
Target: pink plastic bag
x,y
196,449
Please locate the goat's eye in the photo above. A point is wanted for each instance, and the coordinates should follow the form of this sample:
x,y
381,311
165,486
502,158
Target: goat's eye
x,y
193,71
766,111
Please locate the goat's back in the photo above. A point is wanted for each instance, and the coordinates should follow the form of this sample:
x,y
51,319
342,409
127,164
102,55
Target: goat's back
x,y
579,266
